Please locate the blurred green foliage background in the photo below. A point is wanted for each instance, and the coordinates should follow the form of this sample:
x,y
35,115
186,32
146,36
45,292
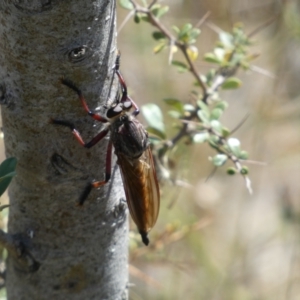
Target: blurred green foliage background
x,y
213,239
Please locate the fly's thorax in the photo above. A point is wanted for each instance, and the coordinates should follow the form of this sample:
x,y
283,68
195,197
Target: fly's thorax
x,y
129,136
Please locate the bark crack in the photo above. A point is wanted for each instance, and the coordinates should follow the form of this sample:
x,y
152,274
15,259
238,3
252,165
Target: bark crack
x,y
17,251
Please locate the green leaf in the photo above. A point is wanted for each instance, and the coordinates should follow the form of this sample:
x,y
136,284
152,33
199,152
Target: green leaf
x,y
219,160
176,29
226,39
144,18
225,132
175,103
244,170
185,30
8,166
210,76
212,58
216,113
231,83
201,137
189,107
9,175
159,10
181,67
157,133
216,125
174,114
231,171
7,171
195,33
158,48
157,35
137,18
203,106
243,155
214,141
220,53
234,145
221,105
203,116
126,4
187,34
154,116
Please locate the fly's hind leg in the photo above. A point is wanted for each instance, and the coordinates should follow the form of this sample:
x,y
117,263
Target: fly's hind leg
x,y
96,184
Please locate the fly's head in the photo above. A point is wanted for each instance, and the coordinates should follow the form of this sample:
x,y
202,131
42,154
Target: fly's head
x,y
118,108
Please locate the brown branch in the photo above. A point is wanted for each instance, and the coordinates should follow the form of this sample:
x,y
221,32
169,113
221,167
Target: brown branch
x,y
172,40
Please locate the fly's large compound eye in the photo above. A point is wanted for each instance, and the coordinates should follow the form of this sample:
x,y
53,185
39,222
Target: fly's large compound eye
x,y
127,104
115,111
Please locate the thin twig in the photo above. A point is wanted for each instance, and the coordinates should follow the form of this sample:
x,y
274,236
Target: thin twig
x,y
172,41
203,19
214,27
262,26
134,4
152,3
254,162
133,271
262,71
240,123
127,18
183,48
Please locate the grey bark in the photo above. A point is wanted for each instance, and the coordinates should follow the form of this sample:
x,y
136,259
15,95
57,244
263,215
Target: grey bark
x,y
63,251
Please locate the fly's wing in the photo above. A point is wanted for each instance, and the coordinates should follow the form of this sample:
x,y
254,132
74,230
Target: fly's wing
x,y
141,189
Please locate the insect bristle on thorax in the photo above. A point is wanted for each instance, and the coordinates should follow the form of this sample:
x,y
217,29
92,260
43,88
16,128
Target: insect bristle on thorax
x,y
132,148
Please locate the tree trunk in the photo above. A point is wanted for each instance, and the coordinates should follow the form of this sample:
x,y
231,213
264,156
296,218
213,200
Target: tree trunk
x,y
61,251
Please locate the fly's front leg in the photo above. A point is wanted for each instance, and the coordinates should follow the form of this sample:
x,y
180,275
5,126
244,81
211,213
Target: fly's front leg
x,y
77,135
73,87
97,184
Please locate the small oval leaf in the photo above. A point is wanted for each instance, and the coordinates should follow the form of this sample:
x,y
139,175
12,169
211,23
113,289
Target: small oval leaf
x,y
216,125
126,4
203,116
153,116
157,133
157,35
231,83
201,137
216,113
7,171
137,18
181,67
234,145
158,48
212,58
192,52
175,104
219,160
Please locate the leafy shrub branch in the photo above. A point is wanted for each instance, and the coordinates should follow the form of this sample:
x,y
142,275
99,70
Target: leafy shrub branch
x,y
198,121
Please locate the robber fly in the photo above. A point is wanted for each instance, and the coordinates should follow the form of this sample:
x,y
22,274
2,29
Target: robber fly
x,y
131,144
